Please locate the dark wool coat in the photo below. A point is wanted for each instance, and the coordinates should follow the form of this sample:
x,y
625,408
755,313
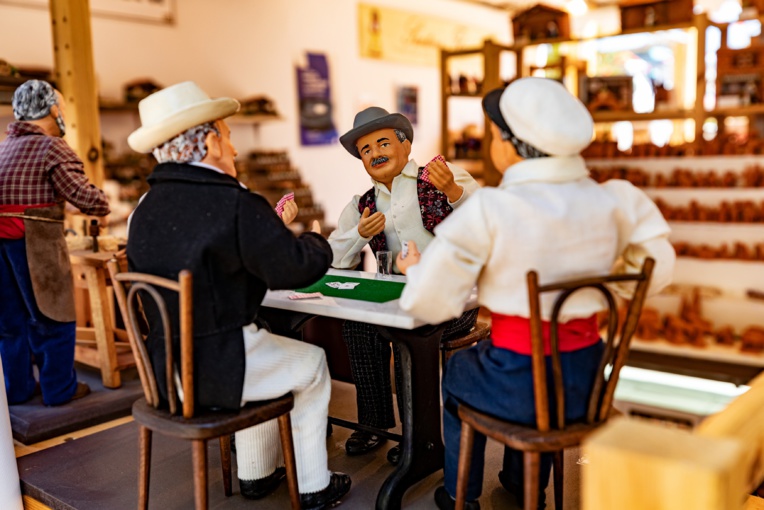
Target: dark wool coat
x,y
236,248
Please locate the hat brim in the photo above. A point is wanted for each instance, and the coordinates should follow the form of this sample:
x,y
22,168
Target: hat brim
x,y
391,121
491,108
145,139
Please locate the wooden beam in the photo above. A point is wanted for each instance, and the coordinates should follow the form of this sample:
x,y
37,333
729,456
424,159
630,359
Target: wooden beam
x,y
75,77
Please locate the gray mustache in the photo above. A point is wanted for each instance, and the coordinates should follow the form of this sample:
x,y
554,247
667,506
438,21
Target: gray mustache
x,y
379,160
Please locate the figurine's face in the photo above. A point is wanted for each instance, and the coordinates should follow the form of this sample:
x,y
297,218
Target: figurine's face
x,y
220,150
383,155
503,153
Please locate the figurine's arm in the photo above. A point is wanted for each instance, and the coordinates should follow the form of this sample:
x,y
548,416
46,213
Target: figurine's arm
x,y
346,241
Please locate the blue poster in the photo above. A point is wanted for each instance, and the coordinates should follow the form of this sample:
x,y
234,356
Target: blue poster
x,y
316,124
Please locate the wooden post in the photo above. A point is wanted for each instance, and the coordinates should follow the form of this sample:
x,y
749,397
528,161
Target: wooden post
x,y
701,24
75,77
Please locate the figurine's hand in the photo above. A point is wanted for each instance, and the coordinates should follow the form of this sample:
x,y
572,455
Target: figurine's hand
x,y
412,258
290,212
443,178
371,225
316,227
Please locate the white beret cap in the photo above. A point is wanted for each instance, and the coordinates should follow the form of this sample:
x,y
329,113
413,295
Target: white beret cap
x,y
542,113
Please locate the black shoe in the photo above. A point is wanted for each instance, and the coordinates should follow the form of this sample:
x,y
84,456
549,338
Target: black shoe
x,y
446,502
517,491
361,442
339,485
394,455
258,489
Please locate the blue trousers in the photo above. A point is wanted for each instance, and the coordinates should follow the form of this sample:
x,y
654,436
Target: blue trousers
x,y
25,332
500,382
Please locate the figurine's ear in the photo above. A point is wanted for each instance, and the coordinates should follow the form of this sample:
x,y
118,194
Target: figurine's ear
x,y
407,147
213,143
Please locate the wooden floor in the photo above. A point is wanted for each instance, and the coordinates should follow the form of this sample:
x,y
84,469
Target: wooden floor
x,y
96,468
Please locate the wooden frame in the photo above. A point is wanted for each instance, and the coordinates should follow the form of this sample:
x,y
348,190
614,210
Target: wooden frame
x,y
609,93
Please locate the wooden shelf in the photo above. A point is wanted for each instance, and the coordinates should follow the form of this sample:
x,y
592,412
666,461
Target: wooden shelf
x,y
712,352
618,116
630,31
477,95
757,109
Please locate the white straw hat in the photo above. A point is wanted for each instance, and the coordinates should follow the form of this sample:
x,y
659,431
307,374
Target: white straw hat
x,y
172,110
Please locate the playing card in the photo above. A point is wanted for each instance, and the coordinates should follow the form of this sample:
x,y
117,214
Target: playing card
x,y
342,286
426,170
280,205
305,295
404,249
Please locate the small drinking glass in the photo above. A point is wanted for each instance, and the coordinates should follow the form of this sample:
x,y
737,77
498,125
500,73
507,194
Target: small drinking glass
x,y
384,263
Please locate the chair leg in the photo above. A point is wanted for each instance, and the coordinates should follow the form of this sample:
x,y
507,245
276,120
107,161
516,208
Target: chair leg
x,y
199,455
559,466
531,463
287,447
466,443
144,467
225,462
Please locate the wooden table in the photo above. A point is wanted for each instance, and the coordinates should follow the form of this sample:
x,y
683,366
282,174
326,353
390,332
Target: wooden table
x,y
422,451
99,345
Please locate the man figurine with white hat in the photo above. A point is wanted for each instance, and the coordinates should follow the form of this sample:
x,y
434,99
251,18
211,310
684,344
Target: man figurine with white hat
x,y
197,216
547,215
406,203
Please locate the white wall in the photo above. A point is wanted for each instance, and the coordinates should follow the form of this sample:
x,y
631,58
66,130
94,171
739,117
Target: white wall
x,y
241,48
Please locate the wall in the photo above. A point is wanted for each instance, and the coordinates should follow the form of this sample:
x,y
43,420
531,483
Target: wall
x,y
241,48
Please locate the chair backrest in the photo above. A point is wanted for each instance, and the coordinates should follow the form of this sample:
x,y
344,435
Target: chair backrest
x,y
126,289
616,342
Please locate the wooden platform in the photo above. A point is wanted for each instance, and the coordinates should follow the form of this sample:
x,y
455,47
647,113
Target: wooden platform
x,y
99,472
33,422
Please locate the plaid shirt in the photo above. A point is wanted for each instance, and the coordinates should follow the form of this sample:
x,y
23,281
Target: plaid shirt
x,y
38,169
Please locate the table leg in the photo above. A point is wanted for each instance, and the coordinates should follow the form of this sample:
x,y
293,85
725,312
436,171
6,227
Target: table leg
x,y
102,324
422,451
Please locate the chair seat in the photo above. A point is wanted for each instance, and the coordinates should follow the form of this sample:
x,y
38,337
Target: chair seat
x,y
526,437
210,425
481,331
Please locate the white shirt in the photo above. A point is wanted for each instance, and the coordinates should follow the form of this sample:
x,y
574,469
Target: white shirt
x,y
546,215
403,220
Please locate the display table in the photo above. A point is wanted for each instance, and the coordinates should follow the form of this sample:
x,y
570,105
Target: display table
x,y
422,450
99,345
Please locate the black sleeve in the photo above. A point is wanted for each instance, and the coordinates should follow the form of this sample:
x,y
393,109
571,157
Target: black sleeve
x,y
271,251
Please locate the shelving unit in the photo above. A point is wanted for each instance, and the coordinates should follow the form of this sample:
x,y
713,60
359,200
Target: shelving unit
x,y
730,278
482,168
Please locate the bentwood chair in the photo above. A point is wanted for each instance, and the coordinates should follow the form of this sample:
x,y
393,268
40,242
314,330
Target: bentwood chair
x,y
555,437
480,331
178,417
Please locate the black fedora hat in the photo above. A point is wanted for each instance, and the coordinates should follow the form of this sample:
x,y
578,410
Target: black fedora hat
x,y
373,119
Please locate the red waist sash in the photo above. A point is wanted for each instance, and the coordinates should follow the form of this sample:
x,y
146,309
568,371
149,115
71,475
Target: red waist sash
x,y
13,228
514,333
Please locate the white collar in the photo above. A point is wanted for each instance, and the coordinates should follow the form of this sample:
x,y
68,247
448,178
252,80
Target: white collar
x,y
551,169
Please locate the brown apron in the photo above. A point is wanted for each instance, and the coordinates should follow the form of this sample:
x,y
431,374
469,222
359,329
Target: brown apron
x,y
48,261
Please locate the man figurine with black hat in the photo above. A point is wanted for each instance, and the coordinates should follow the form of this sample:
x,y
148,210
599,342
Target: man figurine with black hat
x,y
405,204
197,216
547,215
38,172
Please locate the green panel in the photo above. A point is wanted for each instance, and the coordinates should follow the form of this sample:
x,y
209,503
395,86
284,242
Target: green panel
x,y
376,291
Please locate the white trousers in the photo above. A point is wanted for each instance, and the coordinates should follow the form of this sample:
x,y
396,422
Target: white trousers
x,y
274,366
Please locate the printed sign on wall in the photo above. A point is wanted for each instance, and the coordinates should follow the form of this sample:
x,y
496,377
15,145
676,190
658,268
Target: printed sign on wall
x,y
315,103
409,37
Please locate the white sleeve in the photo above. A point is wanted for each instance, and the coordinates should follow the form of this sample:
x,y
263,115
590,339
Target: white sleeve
x,y
644,234
345,241
464,179
438,287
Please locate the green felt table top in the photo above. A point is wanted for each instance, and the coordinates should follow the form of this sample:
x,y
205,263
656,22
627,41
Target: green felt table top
x,y
376,291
